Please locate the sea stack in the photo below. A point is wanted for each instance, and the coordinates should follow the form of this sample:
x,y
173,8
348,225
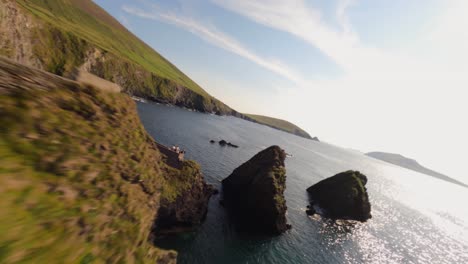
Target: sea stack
x,y
343,196
254,193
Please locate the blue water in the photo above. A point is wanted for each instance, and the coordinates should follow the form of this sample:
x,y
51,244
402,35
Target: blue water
x,y
416,218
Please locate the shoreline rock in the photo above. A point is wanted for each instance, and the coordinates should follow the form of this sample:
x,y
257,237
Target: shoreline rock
x,y
342,196
254,193
224,143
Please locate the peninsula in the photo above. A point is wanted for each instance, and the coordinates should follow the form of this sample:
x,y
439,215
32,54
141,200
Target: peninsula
x,y
411,164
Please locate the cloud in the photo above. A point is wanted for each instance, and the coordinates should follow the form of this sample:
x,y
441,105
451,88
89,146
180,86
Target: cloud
x,y
215,37
391,100
399,100
298,19
342,16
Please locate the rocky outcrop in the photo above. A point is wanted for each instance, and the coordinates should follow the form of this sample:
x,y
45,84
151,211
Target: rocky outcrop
x,y
315,139
16,34
224,143
343,196
184,201
254,193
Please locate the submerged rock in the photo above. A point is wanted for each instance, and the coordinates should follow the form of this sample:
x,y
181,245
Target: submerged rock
x,y
343,196
225,143
232,145
212,141
254,193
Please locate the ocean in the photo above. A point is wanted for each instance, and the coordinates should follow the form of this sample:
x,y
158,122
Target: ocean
x,y
415,218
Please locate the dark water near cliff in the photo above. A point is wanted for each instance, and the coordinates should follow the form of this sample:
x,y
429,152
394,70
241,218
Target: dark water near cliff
x,y
416,218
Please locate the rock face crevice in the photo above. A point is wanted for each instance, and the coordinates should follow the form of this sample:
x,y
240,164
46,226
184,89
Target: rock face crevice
x,y
254,193
343,196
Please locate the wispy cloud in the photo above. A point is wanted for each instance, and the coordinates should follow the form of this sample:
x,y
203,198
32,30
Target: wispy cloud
x,y
300,20
216,37
342,16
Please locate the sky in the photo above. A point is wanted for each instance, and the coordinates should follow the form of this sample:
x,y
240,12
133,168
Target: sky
x,y
370,75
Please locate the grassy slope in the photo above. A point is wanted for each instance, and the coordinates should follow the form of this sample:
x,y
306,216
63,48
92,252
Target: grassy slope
x,y
74,26
80,179
279,124
88,21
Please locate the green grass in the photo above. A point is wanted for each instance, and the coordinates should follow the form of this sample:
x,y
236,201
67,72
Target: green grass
x,y
79,177
279,124
87,21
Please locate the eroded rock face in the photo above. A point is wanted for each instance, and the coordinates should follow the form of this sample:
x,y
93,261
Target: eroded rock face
x,y
184,203
254,193
343,196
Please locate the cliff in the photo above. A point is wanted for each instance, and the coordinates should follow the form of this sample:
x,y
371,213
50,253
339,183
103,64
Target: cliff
x,y
80,179
184,203
254,193
69,36
61,35
343,196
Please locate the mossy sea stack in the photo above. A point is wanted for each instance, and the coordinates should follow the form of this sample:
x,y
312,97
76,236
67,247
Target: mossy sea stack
x,y
343,196
254,193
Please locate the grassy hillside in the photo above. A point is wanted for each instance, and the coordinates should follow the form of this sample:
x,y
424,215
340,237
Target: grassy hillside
x,y
279,124
62,35
80,179
86,20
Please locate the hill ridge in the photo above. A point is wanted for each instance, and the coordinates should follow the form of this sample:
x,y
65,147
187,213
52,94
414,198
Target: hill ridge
x,y
411,164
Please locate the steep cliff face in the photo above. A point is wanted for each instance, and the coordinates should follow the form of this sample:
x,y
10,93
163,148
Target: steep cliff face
x,y
137,81
184,202
343,196
36,34
254,193
80,179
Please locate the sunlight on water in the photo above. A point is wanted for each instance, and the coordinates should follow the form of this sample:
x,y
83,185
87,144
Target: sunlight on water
x,y
416,218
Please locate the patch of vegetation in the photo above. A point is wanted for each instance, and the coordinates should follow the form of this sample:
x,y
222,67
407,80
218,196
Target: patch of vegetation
x,y
79,176
178,181
279,124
